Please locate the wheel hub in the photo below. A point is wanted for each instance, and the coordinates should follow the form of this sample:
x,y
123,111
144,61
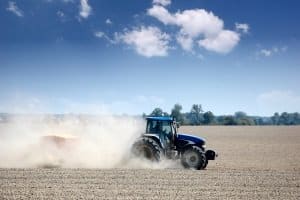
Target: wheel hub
x,y
192,159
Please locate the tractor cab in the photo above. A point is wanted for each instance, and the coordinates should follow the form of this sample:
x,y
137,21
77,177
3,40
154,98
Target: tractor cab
x,y
165,128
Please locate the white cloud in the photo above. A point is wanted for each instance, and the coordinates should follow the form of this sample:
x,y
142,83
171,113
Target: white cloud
x,y
99,34
223,43
191,22
162,14
185,42
279,101
12,7
162,2
242,27
266,52
60,14
198,24
146,41
108,21
196,28
85,9
272,51
102,35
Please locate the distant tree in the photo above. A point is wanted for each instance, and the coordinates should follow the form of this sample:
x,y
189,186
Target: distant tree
x,y
284,119
275,118
197,117
220,119
186,119
176,113
245,121
240,115
165,114
241,118
158,112
196,114
296,118
208,118
229,120
290,119
258,121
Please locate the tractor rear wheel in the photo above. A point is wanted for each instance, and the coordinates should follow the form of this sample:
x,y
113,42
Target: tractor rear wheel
x,y
193,158
147,148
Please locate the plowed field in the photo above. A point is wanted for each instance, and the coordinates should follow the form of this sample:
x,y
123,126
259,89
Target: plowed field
x,y
253,163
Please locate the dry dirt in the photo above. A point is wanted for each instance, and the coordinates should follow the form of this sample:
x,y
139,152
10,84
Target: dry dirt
x,y
253,163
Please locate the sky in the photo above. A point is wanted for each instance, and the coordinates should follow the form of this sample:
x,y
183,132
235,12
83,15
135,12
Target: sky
x,y
128,57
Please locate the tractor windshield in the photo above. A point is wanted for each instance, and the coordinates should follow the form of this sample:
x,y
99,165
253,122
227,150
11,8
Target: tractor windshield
x,y
156,126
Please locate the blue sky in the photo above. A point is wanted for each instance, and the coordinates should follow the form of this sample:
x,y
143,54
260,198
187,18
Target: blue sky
x,y
108,56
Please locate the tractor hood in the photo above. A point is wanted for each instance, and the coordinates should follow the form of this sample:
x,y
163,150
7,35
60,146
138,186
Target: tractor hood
x,y
192,138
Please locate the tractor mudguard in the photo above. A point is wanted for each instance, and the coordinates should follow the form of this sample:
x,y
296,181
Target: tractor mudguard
x,y
183,144
155,137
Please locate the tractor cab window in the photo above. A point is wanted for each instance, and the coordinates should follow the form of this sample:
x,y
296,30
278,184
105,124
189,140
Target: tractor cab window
x,y
164,127
167,133
153,126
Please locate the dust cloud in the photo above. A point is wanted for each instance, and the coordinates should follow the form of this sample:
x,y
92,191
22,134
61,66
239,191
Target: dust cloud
x,y
71,141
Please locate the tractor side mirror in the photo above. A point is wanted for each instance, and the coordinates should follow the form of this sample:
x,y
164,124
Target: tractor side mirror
x,y
177,125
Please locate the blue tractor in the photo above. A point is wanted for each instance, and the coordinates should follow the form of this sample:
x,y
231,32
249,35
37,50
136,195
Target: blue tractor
x,y
162,140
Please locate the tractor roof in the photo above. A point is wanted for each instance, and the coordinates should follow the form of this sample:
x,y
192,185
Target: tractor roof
x,y
160,118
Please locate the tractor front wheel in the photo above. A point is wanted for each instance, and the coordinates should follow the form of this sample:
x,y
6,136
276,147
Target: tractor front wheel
x,y
194,158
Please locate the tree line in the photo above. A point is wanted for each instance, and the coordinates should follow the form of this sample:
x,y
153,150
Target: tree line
x,y
197,116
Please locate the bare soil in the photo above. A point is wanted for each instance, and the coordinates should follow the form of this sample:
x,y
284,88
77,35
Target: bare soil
x,y
253,163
